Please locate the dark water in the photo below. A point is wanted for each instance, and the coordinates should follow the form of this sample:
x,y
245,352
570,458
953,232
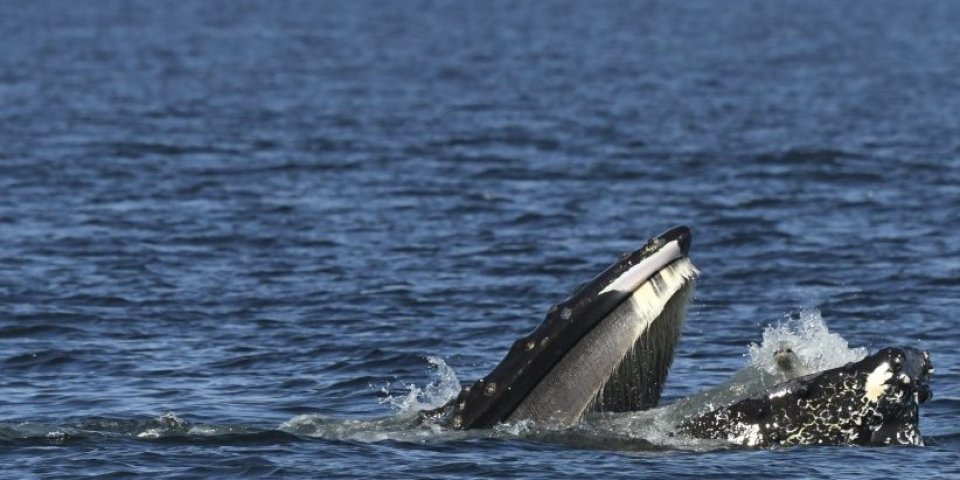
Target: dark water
x,y
245,212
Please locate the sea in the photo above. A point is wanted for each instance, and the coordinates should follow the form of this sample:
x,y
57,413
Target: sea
x,y
250,239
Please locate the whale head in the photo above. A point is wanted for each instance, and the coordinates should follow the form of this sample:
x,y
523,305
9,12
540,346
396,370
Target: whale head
x,y
607,347
874,401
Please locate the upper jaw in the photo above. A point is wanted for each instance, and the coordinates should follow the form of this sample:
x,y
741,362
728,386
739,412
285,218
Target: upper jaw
x,y
643,264
680,234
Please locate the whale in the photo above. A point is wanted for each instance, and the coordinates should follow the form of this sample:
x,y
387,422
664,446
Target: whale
x,y
608,347
874,401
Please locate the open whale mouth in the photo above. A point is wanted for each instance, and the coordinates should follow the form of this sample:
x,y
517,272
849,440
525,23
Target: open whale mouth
x,y
607,347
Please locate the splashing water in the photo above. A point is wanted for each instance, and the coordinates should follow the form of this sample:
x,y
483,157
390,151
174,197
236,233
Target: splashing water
x,y
167,424
816,348
444,387
402,426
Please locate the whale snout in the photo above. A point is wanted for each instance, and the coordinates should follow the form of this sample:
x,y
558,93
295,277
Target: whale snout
x,y
912,370
680,234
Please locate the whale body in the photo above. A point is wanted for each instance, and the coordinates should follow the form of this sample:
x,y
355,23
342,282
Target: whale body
x,y
608,348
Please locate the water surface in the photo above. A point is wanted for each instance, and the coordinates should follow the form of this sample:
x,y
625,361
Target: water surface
x,y
244,213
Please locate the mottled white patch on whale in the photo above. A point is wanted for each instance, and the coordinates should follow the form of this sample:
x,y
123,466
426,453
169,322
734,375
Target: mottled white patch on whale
x,y
876,382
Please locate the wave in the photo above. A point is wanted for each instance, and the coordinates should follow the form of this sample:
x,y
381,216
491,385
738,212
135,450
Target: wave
x,y
166,428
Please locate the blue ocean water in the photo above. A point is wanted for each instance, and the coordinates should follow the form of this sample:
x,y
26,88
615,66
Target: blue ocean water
x,y
218,219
